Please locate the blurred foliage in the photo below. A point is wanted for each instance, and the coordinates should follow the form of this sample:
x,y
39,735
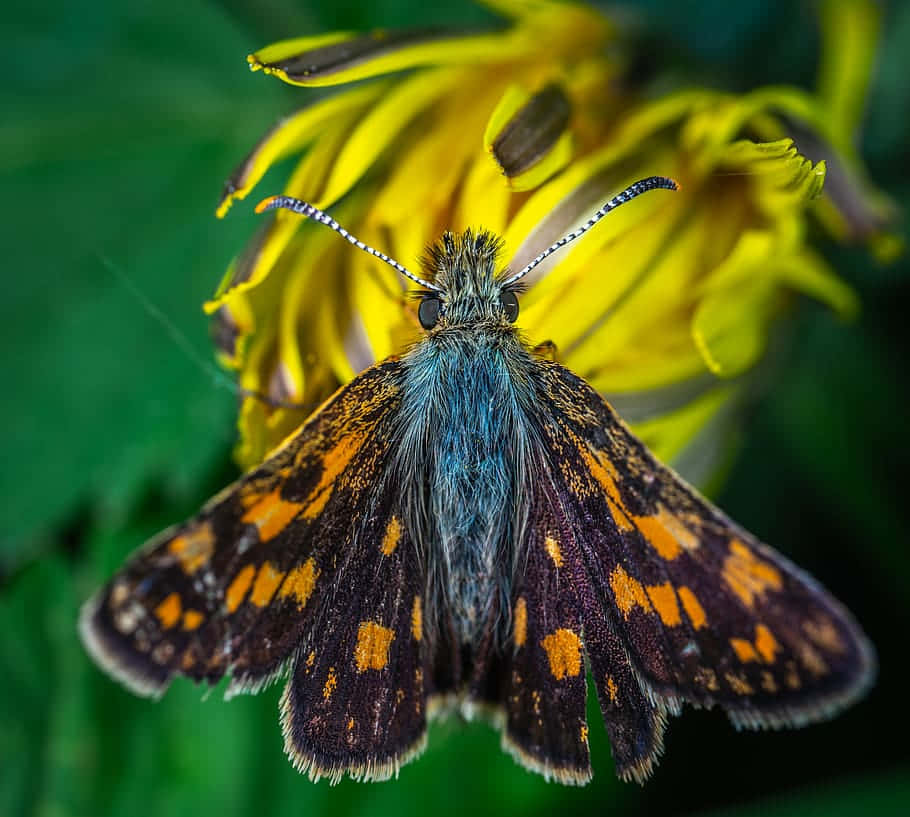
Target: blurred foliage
x,y
121,120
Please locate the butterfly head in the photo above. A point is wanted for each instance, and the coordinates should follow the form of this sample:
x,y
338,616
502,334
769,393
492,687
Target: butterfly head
x,y
467,289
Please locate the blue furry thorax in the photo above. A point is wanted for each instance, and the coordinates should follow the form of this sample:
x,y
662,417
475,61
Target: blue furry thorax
x,y
465,438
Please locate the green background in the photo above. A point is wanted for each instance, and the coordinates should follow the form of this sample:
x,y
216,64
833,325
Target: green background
x,y
120,120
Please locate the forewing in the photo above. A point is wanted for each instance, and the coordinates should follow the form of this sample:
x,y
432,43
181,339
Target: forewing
x,y
679,601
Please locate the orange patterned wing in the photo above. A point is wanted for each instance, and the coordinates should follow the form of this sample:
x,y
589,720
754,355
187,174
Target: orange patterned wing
x,y
252,586
678,603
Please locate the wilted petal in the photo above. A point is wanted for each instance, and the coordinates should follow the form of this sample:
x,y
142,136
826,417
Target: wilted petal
x,y
313,61
528,136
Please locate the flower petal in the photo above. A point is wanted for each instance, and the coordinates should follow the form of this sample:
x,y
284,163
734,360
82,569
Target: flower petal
x,y
256,260
382,124
291,135
674,437
849,208
527,134
850,33
729,326
346,57
807,272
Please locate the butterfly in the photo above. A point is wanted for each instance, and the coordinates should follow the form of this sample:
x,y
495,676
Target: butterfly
x,y
469,527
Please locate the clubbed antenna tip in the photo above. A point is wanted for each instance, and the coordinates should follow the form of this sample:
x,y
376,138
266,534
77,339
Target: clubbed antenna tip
x,y
633,190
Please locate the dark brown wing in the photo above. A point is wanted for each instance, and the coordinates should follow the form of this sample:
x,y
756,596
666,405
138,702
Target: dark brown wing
x,y
303,564
677,603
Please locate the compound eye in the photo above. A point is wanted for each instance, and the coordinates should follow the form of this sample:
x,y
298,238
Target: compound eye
x,y
428,312
510,304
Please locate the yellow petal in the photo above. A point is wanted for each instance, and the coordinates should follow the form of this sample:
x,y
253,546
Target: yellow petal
x,y
850,33
428,166
807,272
350,57
670,435
730,326
290,136
257,259
383,123
484,200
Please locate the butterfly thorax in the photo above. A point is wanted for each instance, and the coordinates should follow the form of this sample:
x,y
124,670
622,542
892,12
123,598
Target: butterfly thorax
x,y
466,445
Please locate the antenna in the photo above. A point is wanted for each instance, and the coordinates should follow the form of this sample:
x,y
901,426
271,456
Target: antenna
x,y
305,209
633,190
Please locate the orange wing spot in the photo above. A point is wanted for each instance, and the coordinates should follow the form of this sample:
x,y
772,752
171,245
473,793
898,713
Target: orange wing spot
x,y
309,661
553,550
192,619
520,625
744,650
168,612
747,575
612,691
331,682
823,632
271,514
738,684
765,643
372,650
693,608
392,536
238,588
564,653
763,648
628,592
658,536
333,463
417,619
666,533
663,597
583,734
808,656
606,475
768,684
792,678
350,724
300,582
194,548
267,581
707,678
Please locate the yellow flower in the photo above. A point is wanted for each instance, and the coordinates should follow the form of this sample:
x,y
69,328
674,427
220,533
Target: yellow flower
x,y
525,131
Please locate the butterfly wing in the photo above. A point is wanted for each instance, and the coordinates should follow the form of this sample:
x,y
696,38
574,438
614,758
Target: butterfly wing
x,y
676,602
301,565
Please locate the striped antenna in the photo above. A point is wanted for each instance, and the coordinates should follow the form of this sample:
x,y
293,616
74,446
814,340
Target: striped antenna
x,y
633,190
305,209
